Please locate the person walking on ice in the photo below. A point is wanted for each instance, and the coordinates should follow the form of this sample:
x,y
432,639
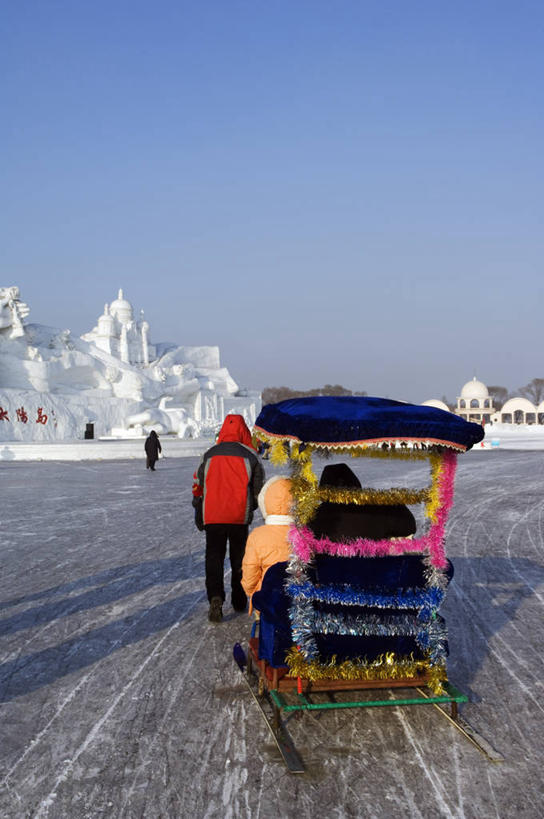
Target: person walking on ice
x,y
226,486
152,448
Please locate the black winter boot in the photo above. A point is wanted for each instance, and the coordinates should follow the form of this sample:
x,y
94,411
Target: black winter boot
x,y
215,614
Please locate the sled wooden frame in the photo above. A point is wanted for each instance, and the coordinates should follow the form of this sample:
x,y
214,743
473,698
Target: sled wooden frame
x,y
276,687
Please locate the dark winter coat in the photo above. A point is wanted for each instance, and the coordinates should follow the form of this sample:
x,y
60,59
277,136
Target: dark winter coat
x,y
152,446
341,522
229,477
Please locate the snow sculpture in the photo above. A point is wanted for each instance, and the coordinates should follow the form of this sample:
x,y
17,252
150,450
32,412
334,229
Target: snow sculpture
x,y
12,312
162,419
119,335
53,384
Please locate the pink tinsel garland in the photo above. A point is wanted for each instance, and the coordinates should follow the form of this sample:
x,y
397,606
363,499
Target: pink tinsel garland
x,y
305,544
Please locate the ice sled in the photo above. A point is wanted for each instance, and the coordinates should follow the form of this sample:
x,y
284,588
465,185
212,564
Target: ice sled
x,y
352,611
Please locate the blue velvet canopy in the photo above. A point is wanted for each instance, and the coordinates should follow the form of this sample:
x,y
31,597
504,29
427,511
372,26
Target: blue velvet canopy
x,y
336,421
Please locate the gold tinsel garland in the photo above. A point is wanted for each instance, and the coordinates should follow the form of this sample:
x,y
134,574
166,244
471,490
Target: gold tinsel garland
x,y
377,497
374,451
308,496
386,667
279,453
305,483
303,466
433,504
306,499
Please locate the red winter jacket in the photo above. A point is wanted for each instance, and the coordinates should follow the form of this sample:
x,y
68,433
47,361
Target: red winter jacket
x,y
229,476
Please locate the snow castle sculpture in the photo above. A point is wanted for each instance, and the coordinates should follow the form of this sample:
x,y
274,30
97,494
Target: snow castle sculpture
x,y
119,335
53,384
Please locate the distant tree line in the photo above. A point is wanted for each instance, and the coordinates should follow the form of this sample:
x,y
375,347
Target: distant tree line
x,y
534,391
271,395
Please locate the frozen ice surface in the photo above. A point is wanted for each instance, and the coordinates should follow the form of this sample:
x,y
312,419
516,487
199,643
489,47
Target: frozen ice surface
x,y
119,699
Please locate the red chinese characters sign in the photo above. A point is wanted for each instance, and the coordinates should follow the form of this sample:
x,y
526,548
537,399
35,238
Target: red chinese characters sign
x,y
22,415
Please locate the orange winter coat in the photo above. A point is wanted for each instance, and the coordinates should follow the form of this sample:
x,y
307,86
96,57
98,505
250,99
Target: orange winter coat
x,y
268,544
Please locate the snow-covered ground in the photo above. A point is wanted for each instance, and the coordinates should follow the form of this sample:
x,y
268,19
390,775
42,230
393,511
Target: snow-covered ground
x,y
100,450
499,436
514,436
119,699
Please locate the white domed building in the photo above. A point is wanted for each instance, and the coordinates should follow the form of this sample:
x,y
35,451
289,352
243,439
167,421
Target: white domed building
x,y
520,411
437,404
475,403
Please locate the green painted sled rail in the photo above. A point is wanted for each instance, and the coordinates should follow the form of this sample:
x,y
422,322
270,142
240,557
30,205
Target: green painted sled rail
x,y
453,695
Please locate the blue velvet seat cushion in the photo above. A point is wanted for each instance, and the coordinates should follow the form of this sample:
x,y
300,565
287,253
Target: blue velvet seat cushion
x,y
395,572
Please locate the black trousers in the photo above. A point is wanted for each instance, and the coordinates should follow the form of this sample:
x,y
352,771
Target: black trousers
x,y
217,535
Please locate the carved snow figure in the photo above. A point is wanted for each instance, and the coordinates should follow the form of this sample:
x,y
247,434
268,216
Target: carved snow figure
x,y
12,312
180,421
151,417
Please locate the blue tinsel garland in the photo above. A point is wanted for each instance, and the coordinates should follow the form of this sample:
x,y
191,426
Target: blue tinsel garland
x,y
426,601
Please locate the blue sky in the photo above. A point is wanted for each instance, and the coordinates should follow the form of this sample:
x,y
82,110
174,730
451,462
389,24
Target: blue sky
x,y
332,192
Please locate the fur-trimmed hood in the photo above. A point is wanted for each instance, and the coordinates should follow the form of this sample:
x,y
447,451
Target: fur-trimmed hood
x,y
275,501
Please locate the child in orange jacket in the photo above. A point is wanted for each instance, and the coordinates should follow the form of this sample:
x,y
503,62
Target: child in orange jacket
x,y
268,544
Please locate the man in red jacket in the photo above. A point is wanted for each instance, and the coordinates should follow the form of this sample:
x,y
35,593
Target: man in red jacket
x,y
226,486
